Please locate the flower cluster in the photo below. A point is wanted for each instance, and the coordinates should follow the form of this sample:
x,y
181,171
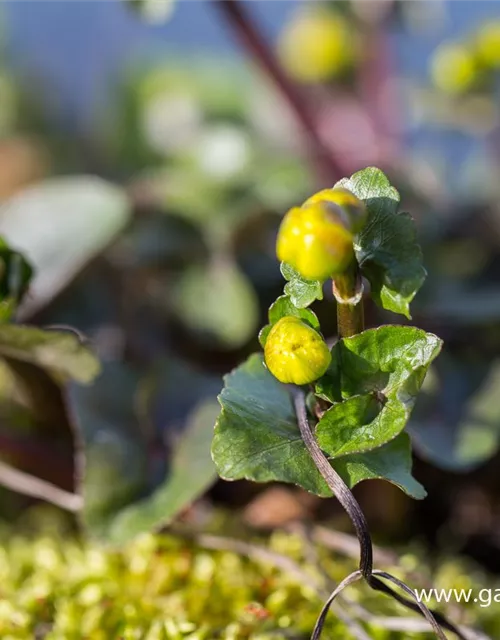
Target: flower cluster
x,y
315,239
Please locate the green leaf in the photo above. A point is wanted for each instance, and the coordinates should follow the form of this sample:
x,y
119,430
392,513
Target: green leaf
x,y
257,438
387,249
282,307
113,459
360,423
328,386
301,292
218,302
60,352
15,276
153,12
381,375
392,462
373,187
390,359
60,225
191,473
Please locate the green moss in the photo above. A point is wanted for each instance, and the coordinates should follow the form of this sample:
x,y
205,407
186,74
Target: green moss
x,y
165,588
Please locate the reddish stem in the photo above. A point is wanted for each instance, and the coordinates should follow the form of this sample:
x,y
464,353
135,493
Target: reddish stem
x,y
238,17
374,77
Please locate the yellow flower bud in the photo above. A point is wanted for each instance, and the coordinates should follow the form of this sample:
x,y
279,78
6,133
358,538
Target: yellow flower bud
x,y
314,241
354,209
295,353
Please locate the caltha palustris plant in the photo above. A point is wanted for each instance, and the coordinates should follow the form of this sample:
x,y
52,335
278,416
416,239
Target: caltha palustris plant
x,y
327,418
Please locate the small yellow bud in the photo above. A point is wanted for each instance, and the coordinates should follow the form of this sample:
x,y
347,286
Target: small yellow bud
x,y
314,241
295,353
352,207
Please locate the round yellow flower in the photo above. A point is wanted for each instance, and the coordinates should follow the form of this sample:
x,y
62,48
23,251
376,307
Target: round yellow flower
x,y
314,241
295,353
354,210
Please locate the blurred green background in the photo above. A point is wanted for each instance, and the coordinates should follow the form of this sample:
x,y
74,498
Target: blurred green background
x,y
146,158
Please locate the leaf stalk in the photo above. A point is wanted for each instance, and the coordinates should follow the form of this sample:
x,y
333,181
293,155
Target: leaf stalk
x,y
348,291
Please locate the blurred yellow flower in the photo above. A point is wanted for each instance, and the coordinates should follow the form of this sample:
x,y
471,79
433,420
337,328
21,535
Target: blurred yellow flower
x,y
453,68
315,46
488,44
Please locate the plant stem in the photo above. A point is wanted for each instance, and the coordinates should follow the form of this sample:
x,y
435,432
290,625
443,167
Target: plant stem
x,y
238,17
337,486
357,517
348,291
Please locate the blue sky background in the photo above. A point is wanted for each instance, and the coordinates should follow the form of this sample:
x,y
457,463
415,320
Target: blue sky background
x,y
74,47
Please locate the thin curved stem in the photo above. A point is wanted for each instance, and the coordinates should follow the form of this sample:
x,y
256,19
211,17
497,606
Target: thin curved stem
x,y
435,618
347,500
320,622
337,485
430,617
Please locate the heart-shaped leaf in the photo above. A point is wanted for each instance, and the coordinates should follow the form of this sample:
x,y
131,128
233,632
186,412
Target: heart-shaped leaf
x,y
282,307
387,249
381,375
257,438
301,292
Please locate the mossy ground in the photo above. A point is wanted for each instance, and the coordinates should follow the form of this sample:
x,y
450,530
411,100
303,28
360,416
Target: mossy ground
x,y
167,588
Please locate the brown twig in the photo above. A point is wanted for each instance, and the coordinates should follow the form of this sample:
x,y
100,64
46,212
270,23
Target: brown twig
x,y
348,545
33,487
